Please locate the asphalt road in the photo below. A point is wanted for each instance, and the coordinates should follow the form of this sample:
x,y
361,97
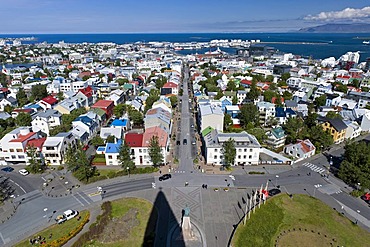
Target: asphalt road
x,y
125,187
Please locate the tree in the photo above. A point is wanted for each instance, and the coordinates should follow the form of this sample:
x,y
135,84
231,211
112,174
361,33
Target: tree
x,y
268,95
97,141
39,92
235,100
259,133
229,152
155,152
342,88
122,81
287,95
35,165
333,114
60,128
253,92
249,115
310,120
320,101
293,129
70,158
285,77
124,157
320,138
173,100
60,96
8,109
110,139
231,86
356,83
21,97
355,167
228,122
270,78
160,82
153,97
119,109
85,172
273,87
23,119
136,117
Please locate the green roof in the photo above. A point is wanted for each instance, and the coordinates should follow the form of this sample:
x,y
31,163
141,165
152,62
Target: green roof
x,y
128,86
98,111
278,132
207,130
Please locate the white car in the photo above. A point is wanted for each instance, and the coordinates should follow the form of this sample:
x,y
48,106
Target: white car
x,y
23,172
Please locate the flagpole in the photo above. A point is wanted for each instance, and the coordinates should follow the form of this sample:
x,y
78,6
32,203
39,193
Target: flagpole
x,y
260,196
246,212
250,207
254,201
266,189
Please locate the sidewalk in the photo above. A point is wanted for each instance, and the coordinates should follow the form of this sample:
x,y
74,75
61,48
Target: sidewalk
x,y
7,210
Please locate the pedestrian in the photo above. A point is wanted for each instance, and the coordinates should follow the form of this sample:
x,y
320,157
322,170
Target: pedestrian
x,y
202,186
160,172
50,236
206,186
216,237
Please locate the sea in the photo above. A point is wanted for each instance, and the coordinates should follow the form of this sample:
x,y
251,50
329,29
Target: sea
x,y
314,45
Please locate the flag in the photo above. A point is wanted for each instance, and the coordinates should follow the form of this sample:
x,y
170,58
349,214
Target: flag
x,y
260,196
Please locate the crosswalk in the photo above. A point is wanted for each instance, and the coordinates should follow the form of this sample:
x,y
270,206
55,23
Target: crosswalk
x,y
179,171
314,168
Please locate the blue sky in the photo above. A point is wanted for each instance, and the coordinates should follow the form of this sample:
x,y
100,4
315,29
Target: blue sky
x,y
153,16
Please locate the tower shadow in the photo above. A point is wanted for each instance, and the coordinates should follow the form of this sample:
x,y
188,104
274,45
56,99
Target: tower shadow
x,y
161,222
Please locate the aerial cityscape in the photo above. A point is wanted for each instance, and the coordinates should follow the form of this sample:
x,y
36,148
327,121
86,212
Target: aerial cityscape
x,y
192,124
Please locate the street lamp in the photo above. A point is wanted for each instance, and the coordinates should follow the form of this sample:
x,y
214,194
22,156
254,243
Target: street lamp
x,y
128,171
276,184
358,212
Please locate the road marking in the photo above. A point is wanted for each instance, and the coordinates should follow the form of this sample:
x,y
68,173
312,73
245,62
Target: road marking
x,y
2,238
43,178
153,185
18,186
83,198
78,200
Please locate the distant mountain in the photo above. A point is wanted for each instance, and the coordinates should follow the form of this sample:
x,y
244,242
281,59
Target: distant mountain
x,y
338,28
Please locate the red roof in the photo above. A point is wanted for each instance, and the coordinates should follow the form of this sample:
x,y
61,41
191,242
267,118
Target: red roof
x,y
38,143
134,139
343,76
273,99
246,82
88,91
22,138
103,103
4,89
170,85
50,100
28,110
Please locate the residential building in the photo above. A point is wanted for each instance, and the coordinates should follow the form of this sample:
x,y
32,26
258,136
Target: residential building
x,y
55,147
301,150
45,121
10,101
105,105
276,137
48,102
210,115
246,145
335,126
87,124
266,112
353,130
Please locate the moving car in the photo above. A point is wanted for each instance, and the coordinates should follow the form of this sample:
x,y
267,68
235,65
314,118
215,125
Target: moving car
x,y
193,142
23,172
185,142
165,177
7,169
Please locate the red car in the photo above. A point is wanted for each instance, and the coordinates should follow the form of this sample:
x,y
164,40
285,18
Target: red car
x,y
85,147
366,197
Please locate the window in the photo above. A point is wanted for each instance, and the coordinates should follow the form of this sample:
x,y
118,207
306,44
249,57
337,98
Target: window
x,y
298,155
244,156
19,150
215,156
245,150
11,150
216,150
21,157
144,150
110,157
250,156
250,150
140,150
239,156
239,150
13,157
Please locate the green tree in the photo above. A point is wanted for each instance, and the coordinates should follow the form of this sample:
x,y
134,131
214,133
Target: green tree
x,y
268,95
160,82
21,97
35,165
320,138
342,88
320,101
39,92
58,129
70,157
229,152
310,120
259,133
153,97
119,110
136,117
110,139
249,115
253,92
235,100
173,100
60,96
228,122
155,152
355,167
8,109
273,87
333,114
122,81
270,78
85,172
287,95
293,129
356,83
124,157
285,77
97,141
23,119
231,86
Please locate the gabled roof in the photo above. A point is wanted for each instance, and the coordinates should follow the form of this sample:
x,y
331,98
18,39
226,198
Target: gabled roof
x,y
155,131
50,100
88,91
37,143
134,139
113,147
103,103
170,85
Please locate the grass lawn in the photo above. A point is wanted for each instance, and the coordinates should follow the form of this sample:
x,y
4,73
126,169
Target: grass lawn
x,y
129,220
56,230
281,217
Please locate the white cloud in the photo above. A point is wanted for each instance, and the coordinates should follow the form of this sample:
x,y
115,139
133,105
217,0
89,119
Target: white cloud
x,y
348,13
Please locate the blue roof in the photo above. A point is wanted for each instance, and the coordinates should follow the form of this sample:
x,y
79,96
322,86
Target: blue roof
x,y
290,111
113,147
279,112
119,122
32,106
83,119
101,148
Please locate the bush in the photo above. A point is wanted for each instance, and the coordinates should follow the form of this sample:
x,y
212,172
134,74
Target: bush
x,y
254,172
356,193
60,168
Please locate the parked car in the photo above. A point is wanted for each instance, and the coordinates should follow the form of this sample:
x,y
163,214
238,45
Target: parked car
x,y
274,192
7,169
185,142
86,147
193,142
178,143
23,172
366,197
165,177
67,215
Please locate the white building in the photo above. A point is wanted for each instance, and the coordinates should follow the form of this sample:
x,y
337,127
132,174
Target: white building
x,y
267,112
55,147
211,116
45,121
246,145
